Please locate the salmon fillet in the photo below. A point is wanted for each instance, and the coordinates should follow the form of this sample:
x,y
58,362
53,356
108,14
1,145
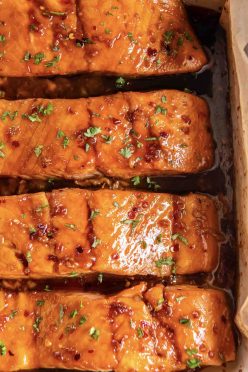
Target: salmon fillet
x,y
122,136
72,231
160,329
141,37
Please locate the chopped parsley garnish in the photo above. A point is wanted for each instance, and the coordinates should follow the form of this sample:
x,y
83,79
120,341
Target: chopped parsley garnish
x,y
158,239
2,38
73,274
131,38
46,110
3,349
188,36
94,333
163,99
151,139
126,152
38,150
169,261
40,303
193,363
87,147
41,207
53,62
100,278
29,256
160,110
185,321
32,230
94,213
82,320
107,31
13,314
191,352
71,226
140,332
132,223
27,56
38,57
107,139
180,298
61,312
152,184
33,117
120,82
96,242
36,324
168,36
180,237
180,41
136,180
92,132
65,142
11,115
60,134
73,314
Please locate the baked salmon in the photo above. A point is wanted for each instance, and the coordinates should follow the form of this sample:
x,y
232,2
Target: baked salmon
x,y
121,136
74,232
159,329
121,37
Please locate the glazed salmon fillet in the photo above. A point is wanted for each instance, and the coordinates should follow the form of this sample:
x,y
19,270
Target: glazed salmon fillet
x,y
141,37
73,232
122,136
139,329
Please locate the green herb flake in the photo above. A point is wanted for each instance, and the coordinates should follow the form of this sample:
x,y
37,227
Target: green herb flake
x,y
140,332
94,333
92,132
180,298
60,134
107,31
53,62
94,213
160,110
36,324
163,99
191,352
152,184
41,207
185,321
2,38
107,139
29,256
13,314
100,278
188,36
87,147
38,58
3,349
38,150
158,239
168,36
27,56
33,117
131,38
65,142
11,115
120,82
73,314
126,152
136,180
73,274
169,261
96,242
53,13
71,226
82,320
61,312
180,237
46,110
40,303
193,363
